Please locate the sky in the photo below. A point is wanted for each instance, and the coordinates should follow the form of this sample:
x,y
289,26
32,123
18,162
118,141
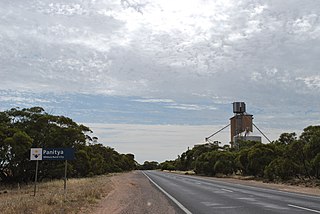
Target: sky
x,y
154,77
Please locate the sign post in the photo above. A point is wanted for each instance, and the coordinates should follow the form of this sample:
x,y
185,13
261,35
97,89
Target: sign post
x,y
36,154
65,179
52,154
36,179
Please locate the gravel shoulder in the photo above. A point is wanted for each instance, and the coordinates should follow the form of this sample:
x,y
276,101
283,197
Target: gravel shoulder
x,y
132,193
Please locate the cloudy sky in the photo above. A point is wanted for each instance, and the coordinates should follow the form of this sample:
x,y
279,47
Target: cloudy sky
x,y
153,77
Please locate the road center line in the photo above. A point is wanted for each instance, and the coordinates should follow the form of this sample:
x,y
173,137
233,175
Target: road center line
x,y
304,208
169,196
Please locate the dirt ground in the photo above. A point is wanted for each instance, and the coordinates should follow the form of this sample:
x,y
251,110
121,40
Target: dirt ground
x,y
132,193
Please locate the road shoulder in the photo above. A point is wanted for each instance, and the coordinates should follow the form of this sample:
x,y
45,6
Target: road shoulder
x,y
133,193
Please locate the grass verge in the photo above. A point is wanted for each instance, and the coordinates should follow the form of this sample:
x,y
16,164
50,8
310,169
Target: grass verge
x,y
50,197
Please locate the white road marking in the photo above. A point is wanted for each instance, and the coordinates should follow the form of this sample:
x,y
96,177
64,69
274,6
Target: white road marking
x,y
303,208
273,190
169,196
206,180
219,192
247,199
231,207
264,204
211,204
218,206
227,190
270,205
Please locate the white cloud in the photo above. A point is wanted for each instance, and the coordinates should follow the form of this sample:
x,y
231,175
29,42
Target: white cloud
x,y
23,100
191,107
183,54
168,103
154,100
312,82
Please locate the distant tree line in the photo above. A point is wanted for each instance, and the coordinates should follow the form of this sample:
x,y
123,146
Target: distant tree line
x,y
149,165
22,129
288,157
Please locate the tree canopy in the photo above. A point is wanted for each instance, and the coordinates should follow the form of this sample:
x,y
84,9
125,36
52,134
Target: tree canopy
x,y
288,157
23,129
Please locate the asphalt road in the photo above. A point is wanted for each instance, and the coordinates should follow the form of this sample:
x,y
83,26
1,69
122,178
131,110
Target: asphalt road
x,y
200,196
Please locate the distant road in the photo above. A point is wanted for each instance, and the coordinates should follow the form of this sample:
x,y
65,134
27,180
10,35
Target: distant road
x,y
201,196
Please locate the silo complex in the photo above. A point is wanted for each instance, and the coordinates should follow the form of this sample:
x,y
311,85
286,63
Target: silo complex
x,y
241,124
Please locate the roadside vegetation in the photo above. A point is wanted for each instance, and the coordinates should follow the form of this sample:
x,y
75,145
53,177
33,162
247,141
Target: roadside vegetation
x,y
22,129
81,194
288,158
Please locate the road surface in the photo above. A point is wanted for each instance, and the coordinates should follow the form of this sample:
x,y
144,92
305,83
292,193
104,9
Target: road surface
x,y
198,195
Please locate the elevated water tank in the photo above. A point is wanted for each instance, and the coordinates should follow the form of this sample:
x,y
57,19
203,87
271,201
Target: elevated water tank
x,y
239,107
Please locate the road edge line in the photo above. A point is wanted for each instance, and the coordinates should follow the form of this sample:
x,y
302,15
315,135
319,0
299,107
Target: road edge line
x,y
183,208
303,208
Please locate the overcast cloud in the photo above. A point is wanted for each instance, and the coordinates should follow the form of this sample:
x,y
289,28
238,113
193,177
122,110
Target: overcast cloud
x,y
163,62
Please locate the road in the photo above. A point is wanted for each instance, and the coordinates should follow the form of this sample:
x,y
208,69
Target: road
x,y
196,195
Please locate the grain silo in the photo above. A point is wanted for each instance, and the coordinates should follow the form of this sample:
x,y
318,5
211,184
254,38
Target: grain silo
x,y
241,124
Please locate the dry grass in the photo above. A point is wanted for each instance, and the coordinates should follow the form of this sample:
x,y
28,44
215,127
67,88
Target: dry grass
x,y
50,198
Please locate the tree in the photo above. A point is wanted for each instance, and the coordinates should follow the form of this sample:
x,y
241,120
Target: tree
x,y
282,168
225,163
168,165
82,164
287,157
22,129
242,162
188,159
150,165
287,138
205,163
14,151
315,162
246,144
310,138
260,156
